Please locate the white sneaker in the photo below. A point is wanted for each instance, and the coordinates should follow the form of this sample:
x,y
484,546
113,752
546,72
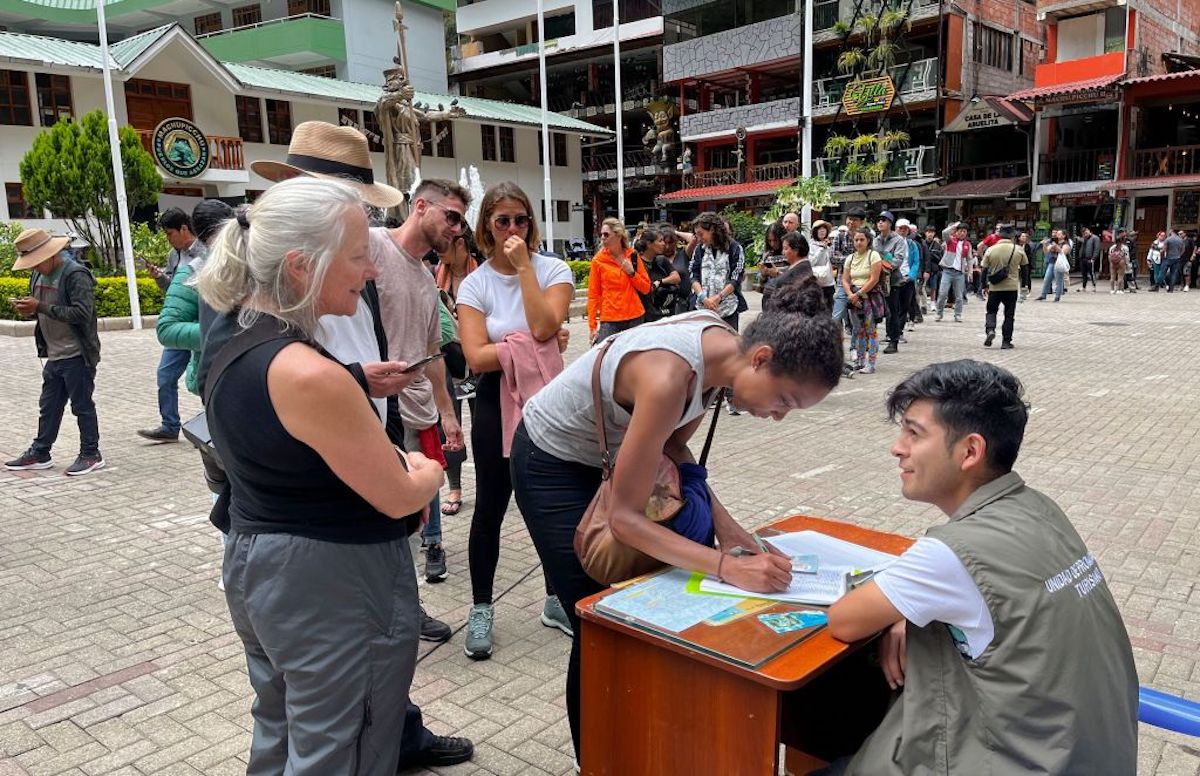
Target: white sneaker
x,y
1185,289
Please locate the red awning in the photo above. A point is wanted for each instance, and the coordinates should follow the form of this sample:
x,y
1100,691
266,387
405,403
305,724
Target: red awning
x,y
989,188
1152,79
1049,93
1162,182
721,193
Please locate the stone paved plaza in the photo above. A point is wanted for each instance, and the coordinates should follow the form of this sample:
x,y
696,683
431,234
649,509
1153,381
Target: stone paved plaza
x,y
117,656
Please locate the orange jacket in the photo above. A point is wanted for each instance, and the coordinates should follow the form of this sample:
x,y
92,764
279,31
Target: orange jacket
x,y
613,295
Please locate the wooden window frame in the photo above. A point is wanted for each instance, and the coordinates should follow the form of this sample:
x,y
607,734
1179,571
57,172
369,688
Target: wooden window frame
x,y
48,94
490,145
15,99
14,194
507,141
372,130
202,24
558,149
276,135
246,15
247,131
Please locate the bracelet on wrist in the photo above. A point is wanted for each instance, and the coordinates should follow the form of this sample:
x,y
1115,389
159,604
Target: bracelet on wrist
x,y
720,561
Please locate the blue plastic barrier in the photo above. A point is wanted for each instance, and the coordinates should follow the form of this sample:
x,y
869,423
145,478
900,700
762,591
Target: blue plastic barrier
x,y
1169,711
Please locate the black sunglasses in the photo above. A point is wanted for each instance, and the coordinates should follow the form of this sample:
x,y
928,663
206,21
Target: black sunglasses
x,y
453,217
503,222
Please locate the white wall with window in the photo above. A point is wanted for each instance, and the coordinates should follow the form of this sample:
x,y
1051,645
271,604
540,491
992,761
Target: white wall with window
x,y
1091,35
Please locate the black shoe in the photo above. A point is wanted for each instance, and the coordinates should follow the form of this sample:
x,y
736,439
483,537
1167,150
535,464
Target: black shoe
x,y
435,563
433,630
29,460
446,750
991,337
1006,345
85,464
892,347
466,389
159,434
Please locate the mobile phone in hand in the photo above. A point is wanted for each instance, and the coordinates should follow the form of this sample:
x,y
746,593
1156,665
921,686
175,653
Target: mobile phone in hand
x,y
418,364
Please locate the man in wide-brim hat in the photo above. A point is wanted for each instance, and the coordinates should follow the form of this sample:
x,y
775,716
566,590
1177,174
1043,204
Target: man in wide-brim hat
x,y
323,150
62,299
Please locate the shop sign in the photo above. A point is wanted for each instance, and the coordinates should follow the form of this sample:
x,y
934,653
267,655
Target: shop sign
x,y
981,115
180,148
868,95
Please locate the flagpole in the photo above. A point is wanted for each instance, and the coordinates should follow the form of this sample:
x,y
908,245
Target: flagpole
x,y
806,154
548,208
114,144
620,110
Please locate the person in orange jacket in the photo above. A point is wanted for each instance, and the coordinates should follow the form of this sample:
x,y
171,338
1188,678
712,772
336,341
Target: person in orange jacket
x,y
616,280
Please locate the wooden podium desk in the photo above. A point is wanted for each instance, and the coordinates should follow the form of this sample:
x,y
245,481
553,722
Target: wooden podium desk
x,y
651,706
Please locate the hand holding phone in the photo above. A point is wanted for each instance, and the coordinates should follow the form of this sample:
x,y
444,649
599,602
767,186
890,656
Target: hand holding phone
x,y
414,366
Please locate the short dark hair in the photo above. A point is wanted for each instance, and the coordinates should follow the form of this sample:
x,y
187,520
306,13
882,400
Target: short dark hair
x,y
446,188
856,212
174,218
1006,231
208,216
970,397
798,243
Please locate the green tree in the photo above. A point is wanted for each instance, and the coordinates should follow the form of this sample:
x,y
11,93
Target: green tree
x,y
9,232
68,171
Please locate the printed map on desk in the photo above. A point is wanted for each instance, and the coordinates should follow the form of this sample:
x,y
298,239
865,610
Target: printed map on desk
x,y
664,602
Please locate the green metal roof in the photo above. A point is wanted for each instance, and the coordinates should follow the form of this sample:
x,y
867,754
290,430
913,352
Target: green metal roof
x,y
83,11
349,91
55,51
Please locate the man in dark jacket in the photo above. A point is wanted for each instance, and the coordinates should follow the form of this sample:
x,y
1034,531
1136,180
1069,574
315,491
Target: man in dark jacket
x,y
1089,258
62,299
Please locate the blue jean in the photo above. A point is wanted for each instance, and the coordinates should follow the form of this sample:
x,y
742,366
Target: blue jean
x,y
1054,280
1170,274
63,379
840,302
171,367
951,278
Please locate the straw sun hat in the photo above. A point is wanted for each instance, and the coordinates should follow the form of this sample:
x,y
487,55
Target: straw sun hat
x,y
324,150
35,246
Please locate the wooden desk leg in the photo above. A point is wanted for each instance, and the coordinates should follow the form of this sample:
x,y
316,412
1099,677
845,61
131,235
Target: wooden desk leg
x,y
649,711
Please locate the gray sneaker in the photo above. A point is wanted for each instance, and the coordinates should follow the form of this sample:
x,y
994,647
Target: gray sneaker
x,y
435,563
479,632
555,616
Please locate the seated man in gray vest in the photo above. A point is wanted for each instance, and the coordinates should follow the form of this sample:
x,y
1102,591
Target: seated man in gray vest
x,y
999,629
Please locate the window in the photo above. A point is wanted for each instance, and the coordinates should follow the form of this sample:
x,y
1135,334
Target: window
x,y
318,7
279,122
993,47
348,117
14,98
508,147
437,139
249,113
562,210
325,71
54,98
17,207
246,15
1114,30
558,149
209,22
489,142
372,131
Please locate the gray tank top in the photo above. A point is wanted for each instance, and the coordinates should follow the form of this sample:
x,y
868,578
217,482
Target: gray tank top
x,y
560,418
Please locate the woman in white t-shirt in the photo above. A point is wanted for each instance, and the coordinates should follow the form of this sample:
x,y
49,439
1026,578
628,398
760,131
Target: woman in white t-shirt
x,y
515,289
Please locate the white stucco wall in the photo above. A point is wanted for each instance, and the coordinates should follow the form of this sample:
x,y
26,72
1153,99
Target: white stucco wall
x,y
371,43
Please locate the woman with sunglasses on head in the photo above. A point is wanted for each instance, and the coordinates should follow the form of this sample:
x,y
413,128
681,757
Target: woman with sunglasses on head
x,y
656,383
515,291
616,280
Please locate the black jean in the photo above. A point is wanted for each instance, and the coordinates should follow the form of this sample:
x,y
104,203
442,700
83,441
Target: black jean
x,y
1088,268
63,379
552,495
898,300
1009,300
1026,276
493,489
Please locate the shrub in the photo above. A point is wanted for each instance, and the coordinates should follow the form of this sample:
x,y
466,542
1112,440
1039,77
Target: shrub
x,y
112,297
9,232
581,270
746,228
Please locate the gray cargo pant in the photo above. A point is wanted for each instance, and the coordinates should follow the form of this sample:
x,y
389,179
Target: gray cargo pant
x,y
330,632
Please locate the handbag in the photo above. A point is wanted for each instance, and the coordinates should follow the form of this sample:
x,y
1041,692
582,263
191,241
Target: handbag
x,y
1062,264
1000,274
602,555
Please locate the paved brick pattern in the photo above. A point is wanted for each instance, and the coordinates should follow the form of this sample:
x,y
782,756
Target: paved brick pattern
x,y
116,653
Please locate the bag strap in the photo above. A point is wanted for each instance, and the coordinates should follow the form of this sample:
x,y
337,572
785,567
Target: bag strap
x,y
263,331
598,404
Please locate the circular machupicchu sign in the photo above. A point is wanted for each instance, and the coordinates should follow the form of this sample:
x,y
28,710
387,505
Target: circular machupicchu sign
x,y
180,148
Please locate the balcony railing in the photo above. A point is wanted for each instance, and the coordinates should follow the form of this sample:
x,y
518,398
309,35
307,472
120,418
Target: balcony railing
x,y
826,13
983,172
1160,162
904,164
267,23
720,177
910,79
224,153
1077,166
774,171
639,163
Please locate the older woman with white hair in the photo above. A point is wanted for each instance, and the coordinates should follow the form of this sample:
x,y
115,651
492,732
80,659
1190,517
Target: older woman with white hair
x,y
317,570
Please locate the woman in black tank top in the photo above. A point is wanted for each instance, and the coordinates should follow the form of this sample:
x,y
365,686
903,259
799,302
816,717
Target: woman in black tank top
x,y
317,571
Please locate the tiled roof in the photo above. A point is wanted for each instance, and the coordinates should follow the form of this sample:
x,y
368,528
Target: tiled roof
x,y
1047,93
1160,182
721,193
1151,79
45,51
988,188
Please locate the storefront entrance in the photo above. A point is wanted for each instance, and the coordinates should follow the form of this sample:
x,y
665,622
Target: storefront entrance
x,y
1149,218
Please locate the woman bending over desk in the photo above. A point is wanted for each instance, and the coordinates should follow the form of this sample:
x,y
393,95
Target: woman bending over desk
x,y
656,383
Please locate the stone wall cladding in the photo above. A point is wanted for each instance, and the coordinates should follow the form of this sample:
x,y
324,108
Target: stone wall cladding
x,y
726,120
742,47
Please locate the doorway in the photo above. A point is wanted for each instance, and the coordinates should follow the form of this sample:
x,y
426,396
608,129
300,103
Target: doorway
x,y
1149,218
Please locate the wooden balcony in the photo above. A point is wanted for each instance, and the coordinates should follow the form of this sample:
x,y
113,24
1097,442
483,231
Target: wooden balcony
x,y
1164,162
1077,166
224,153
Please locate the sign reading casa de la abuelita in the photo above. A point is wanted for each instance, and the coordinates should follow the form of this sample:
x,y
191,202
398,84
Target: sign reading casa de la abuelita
x,y
984,114
180,148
